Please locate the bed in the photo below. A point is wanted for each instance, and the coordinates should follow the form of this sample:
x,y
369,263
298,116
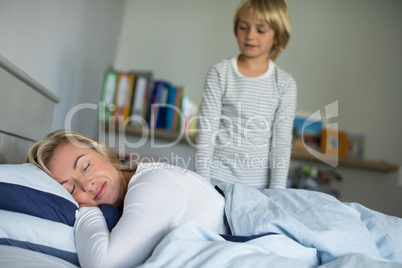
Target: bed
x,y
31,233
305,228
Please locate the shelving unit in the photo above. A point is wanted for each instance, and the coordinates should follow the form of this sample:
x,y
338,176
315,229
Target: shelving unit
x,y
302,154
299,154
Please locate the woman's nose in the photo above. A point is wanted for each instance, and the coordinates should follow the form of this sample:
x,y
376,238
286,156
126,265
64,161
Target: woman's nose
x,y
88,185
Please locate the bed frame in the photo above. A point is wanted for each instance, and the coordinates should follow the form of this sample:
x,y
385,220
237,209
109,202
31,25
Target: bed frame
x,y
26,112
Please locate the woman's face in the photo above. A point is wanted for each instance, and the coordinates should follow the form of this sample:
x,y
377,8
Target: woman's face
x,y
87,175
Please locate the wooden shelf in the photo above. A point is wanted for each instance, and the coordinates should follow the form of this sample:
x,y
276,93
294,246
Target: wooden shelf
x,y
159,134
297,153
302,154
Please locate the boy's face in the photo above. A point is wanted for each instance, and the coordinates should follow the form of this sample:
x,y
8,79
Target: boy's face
x,y
254,37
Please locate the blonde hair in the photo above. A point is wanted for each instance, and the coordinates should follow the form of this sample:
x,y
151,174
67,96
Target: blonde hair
x,y
275,13
42,151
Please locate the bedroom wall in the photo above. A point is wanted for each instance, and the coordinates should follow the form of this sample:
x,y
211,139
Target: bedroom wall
x,y
339,50
345,51
65,46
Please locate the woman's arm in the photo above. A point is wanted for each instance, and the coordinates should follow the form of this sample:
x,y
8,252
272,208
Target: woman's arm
x,y
209,120
149,207
281,143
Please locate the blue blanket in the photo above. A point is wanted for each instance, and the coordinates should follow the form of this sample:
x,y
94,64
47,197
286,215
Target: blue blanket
x,y
314,230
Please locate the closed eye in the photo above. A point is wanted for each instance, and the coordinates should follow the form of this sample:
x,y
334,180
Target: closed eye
x,y
63,183
73,190
85,169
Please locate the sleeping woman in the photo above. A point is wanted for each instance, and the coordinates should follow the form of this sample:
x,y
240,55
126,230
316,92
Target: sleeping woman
x,y
155,198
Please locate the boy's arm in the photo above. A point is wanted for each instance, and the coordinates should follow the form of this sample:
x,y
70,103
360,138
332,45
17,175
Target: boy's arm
x,y
209,120
281,144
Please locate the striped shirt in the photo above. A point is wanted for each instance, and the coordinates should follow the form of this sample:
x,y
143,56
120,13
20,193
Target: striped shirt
x,y
245,126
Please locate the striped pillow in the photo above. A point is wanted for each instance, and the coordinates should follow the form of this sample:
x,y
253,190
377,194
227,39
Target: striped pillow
x,y
36,212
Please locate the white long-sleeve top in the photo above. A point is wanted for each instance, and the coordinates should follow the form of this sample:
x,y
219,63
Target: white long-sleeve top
x,y
159,197
245,126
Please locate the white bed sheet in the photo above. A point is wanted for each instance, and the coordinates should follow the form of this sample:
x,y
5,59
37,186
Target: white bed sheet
x,y
14,257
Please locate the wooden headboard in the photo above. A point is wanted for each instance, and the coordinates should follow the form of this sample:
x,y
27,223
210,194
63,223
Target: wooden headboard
x,y
26,112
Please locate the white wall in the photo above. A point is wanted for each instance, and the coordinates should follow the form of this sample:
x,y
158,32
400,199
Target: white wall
x,y
178,40
339,50
349,51
64,45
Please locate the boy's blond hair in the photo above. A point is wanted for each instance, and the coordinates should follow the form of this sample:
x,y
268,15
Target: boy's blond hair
x,y
275,13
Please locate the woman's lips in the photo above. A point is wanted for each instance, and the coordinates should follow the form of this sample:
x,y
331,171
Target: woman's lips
x,y
100,191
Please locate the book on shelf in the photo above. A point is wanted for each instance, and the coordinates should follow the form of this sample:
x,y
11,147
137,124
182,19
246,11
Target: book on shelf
x,y
140,96
135,96
161,106
177,113
171,109
108,95
167,106
123,97
154,103
190,111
